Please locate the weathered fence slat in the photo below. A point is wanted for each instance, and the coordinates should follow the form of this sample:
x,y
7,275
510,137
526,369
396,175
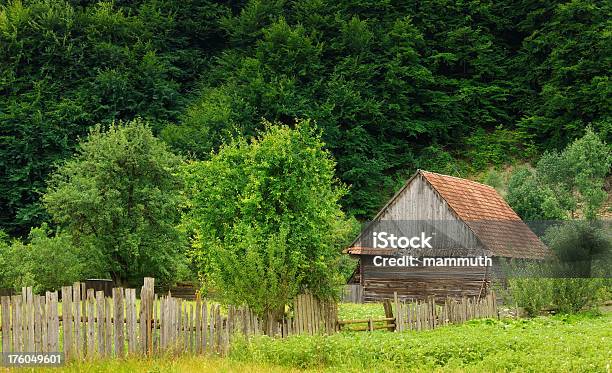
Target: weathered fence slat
x,y
101,322
118,324
5,302
91,325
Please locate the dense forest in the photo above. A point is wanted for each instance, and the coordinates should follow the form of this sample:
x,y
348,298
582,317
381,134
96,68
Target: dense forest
x,y
453,87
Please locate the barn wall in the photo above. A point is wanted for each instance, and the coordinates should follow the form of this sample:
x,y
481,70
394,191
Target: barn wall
x,y
420,282
419,202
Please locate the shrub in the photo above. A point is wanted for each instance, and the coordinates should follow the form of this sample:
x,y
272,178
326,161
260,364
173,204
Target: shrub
x,y
497,147
571,295
532,294
46,261
564,283
578,244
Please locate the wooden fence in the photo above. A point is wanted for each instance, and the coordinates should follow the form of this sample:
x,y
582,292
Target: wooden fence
x,y
401,315
88,325
426,314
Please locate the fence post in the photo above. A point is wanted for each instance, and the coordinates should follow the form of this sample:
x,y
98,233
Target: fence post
x,y
67,320
101,318
118,321
6,318
398,317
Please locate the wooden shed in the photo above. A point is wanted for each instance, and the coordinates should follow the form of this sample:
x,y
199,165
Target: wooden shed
x,y
469,219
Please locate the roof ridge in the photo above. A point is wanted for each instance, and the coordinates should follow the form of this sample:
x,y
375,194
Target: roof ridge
x,y
456,177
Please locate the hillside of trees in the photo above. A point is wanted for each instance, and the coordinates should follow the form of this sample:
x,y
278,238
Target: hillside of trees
x,y
452,87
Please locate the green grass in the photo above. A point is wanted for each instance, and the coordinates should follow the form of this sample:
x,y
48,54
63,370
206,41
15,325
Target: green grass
x,y
552,344
353,311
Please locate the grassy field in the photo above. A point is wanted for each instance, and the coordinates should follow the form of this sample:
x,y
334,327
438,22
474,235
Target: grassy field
x,y
545,344
580,343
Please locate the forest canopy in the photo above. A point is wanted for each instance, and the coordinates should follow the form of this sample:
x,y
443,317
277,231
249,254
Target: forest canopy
x,y
452,87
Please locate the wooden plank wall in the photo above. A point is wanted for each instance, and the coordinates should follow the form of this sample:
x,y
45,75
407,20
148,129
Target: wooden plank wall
x,y
352,293
92,326
421,282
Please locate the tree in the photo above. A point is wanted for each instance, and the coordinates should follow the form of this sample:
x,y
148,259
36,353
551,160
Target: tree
x,y
67,65
576,175
563,182
266,218
577,244
563,68
121,196
530,201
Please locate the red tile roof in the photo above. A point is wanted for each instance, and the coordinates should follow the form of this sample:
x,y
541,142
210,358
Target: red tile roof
x,y
487,214
471,200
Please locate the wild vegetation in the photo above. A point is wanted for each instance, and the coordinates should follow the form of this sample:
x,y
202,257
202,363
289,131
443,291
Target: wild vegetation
x,y
267,212
444,86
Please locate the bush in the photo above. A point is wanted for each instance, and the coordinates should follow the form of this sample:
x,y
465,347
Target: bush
x,y
571,295
529,199
563,295
497,147
46,262
578,244
532,294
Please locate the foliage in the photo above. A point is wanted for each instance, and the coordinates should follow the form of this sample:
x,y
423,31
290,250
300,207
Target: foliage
x,y
576,278
576,175
533,294
120,197
546,344
391,84
46,262
394,86
572,295
266,218
577,244
563,182
564,69
494,178
497,147
530,200
563,295
65,66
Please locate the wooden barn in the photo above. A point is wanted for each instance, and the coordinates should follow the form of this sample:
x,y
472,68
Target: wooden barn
x,y
469,219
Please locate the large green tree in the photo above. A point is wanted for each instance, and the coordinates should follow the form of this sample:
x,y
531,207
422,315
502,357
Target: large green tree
x,y
266,218
120,197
